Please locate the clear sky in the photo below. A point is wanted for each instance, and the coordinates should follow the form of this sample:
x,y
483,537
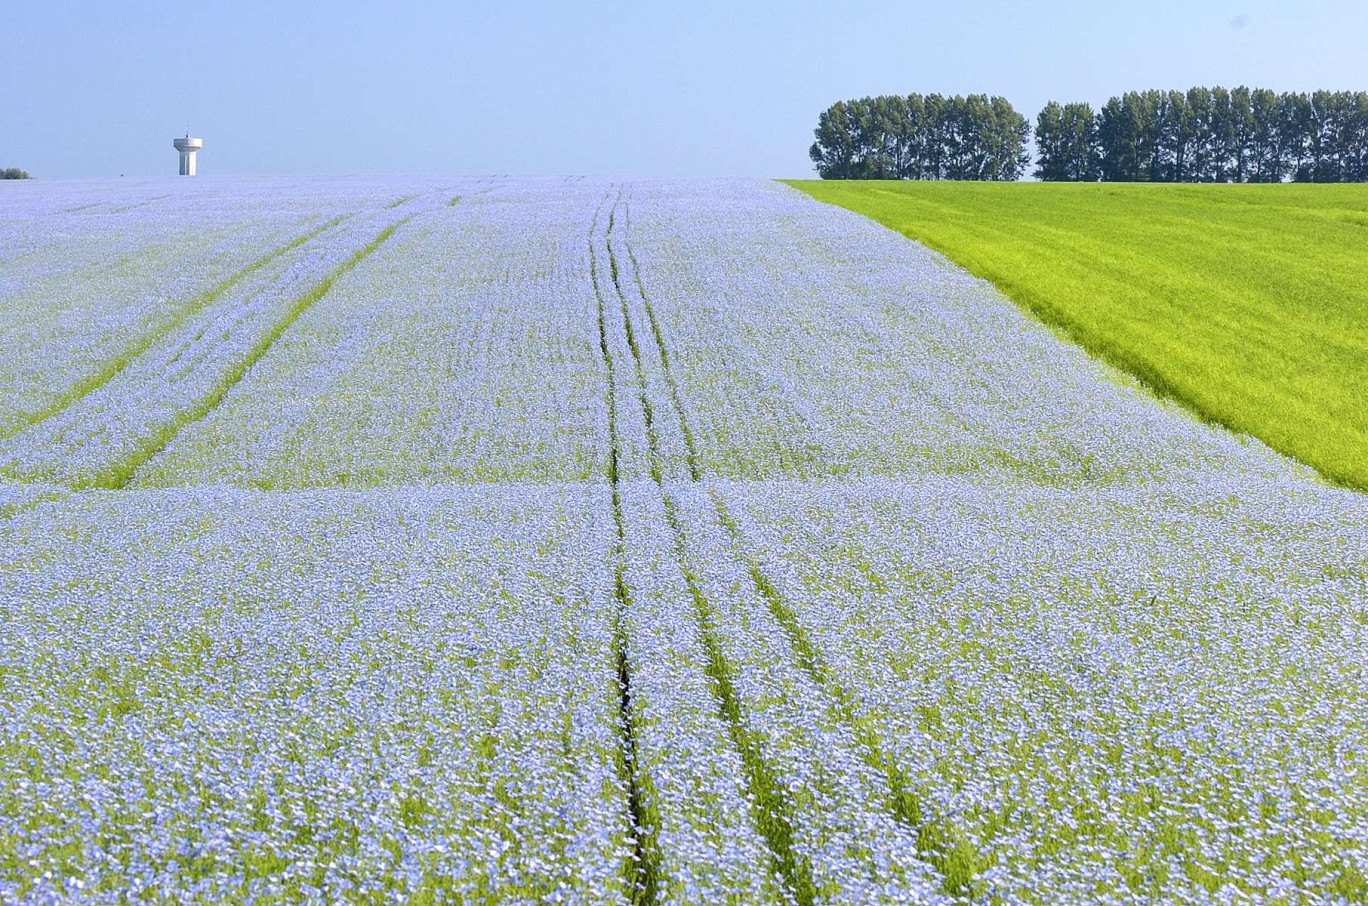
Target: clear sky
x,y
697,87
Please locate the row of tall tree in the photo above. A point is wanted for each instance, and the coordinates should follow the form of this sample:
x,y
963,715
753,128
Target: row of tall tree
x,y
1198,135
13,173
1207,135
916,137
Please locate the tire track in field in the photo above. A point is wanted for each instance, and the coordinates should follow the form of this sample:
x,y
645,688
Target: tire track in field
x,y
645,852
773,815
794,455
139,204
120,473
943,850
691,449
953,858
110,369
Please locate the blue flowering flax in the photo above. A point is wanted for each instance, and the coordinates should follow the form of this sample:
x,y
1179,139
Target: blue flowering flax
x,y
650,542
223,695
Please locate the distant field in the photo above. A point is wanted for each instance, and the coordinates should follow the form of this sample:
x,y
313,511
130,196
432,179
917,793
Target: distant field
x,y
1249,304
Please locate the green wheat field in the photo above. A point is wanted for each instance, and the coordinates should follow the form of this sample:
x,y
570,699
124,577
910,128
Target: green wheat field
x,y
1248,304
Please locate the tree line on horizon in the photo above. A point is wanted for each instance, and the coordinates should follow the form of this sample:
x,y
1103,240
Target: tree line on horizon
x,y
1207,135
14,173
916,137
1200,135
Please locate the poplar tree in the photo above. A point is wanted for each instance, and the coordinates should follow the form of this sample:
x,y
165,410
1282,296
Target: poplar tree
x,y
914,137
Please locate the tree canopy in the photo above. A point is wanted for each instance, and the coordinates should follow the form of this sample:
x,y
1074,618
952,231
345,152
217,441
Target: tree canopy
x,y
14,173
1066,143
1199,135
1209,135
916,137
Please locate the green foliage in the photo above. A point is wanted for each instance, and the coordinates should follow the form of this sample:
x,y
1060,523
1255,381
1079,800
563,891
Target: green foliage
x,y
1066,143
1207,135
14,173
1248,304
916,137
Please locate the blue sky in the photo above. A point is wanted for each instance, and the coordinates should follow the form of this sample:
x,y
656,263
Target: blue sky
x,y
697,88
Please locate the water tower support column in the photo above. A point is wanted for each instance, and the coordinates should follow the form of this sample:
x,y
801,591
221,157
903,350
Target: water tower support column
x,y
189,150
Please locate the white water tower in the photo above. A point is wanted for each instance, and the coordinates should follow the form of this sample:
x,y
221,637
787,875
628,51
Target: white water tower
x,y
188,148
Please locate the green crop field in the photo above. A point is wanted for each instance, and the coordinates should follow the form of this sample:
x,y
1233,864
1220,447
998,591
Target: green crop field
x,y
1249,304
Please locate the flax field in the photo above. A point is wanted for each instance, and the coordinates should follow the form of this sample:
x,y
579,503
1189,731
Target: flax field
x,y
632,542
